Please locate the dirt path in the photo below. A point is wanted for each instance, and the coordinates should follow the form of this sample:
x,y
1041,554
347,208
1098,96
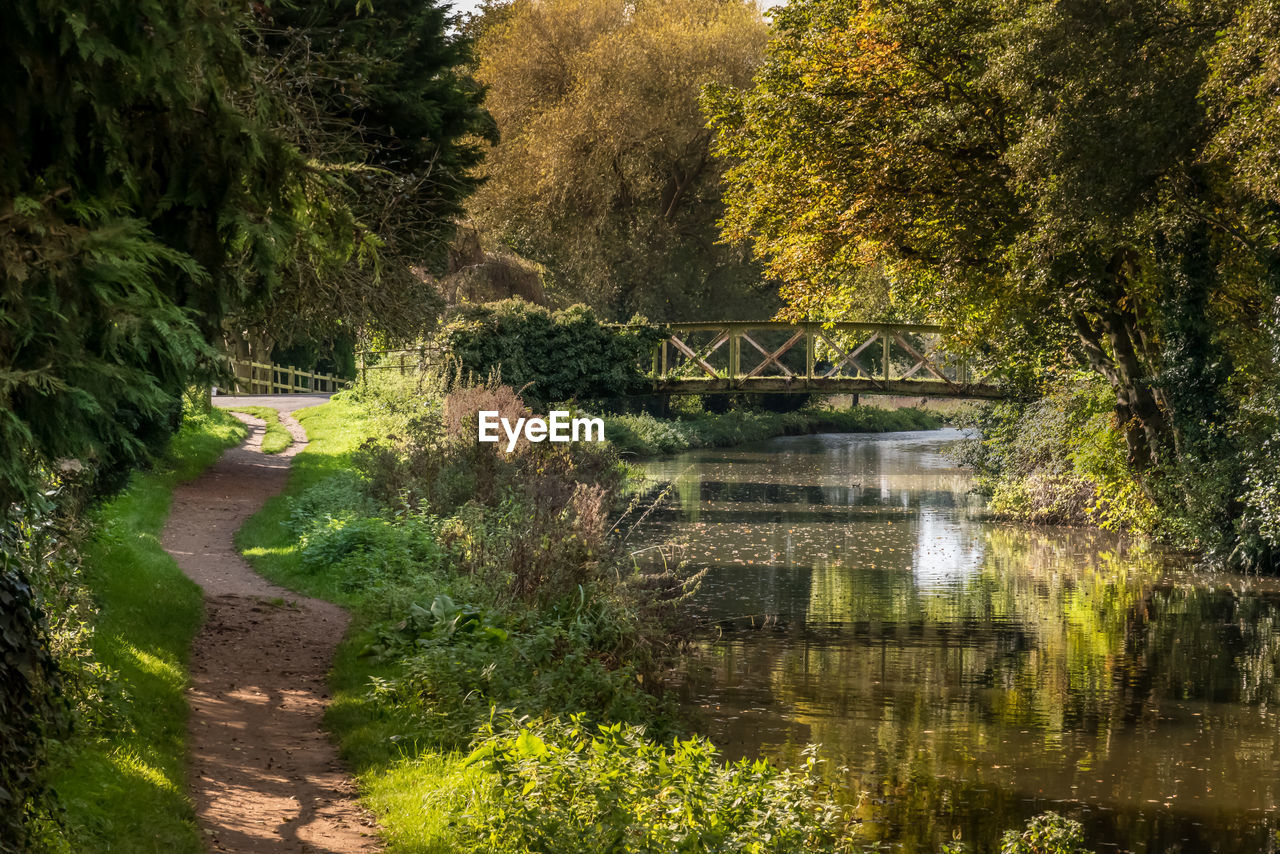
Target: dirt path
x,y
263,774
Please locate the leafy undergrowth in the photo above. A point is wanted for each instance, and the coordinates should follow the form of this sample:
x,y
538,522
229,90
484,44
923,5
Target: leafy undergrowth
x,y
645,435
500,646
121,778
277,438
1060,460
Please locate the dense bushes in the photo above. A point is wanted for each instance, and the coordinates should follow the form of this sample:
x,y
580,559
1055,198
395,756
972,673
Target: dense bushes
x,y
550,356
1059,460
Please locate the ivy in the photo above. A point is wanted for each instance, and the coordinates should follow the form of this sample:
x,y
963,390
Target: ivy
x,y
31,710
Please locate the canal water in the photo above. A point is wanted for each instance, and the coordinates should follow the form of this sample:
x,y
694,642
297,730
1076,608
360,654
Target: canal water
x,y
961,676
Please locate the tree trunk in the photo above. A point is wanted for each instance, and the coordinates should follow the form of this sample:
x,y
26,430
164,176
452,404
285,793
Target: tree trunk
x,y
1137,412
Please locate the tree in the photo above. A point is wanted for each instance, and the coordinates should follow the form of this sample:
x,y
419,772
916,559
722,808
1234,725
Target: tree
x,y
377,99
603,172
139,203
1041,175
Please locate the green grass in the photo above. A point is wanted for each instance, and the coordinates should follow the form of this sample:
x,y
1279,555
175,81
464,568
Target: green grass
x,y
277,438
334,430
644,435
123,787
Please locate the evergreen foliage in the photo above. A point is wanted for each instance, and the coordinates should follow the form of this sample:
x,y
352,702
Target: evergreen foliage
x,y
138,203
377,100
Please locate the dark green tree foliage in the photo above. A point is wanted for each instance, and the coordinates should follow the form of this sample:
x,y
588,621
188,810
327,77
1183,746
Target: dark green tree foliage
x,y
376,97
551,356
137,205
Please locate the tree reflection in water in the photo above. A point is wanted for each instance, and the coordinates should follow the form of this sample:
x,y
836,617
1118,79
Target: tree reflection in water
x,y
967,674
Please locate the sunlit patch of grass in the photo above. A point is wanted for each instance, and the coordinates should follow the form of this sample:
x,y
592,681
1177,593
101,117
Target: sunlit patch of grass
x,y
123,786
277,437
334,430
417,798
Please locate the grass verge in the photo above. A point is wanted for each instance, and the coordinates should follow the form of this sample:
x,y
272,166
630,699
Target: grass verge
x,y
644,435
277,438
122,781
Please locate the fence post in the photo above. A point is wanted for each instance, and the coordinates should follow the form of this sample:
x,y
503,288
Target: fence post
x,y
364,369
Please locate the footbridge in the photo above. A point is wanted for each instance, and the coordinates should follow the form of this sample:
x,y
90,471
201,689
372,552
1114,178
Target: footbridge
x,y
839,358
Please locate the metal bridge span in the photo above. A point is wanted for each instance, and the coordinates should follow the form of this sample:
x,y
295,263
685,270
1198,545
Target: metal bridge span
x,y
841,358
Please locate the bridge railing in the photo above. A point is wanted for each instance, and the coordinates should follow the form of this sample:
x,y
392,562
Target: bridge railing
x,y
775,356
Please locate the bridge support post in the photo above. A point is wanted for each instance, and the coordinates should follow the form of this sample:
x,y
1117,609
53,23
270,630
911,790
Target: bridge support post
x,y
884,336
810,350
735,357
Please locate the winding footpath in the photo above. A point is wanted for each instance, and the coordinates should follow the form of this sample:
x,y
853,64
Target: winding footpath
x,y
263,774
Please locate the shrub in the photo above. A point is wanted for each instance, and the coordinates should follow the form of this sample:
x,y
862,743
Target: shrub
x,y
1059,460
338,496
376,554
1048,833
570,787
551,356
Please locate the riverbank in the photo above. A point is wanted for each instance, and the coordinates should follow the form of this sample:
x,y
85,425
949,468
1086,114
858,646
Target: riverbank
x,y
492,694
644,435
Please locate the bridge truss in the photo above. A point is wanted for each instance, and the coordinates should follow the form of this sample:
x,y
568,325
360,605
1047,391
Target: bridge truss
x,y
842,358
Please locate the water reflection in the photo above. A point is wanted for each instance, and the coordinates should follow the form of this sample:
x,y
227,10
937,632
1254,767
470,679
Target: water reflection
x,y
967,675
